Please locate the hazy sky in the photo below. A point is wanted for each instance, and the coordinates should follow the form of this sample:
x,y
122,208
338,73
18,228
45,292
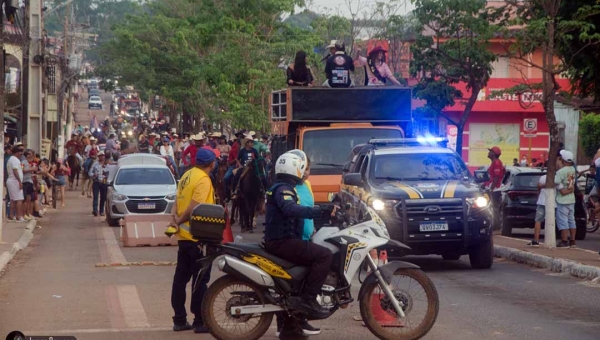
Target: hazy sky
x,y
332,6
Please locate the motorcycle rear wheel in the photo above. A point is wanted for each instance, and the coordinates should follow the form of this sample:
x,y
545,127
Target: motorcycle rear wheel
x,y
379,315
221,324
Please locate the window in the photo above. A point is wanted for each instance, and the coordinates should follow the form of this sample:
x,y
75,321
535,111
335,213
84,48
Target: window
x,y
359,163
145,176
363,168
500,68
440,166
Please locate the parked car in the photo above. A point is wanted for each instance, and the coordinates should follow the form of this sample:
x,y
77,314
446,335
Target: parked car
x,y
143,185
95,102
519,201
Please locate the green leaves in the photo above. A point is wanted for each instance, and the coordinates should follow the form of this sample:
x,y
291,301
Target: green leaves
x,y
589,131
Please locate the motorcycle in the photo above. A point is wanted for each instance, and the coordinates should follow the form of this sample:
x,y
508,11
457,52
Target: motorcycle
x,y
397,300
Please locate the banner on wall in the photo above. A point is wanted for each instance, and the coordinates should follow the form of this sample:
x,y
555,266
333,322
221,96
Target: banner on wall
x,y
484,136
451,133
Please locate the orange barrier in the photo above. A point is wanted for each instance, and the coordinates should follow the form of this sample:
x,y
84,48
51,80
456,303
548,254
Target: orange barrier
x,y
146,230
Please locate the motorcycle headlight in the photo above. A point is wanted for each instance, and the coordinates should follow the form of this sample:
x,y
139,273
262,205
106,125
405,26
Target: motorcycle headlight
x,y
170,197
119,197
130,133
479,202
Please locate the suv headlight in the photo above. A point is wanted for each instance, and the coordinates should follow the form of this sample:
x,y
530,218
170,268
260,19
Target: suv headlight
x,y
479,201
379,205
170,197
119,197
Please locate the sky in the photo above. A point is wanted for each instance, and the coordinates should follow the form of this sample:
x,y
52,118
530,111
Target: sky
x,y
333,6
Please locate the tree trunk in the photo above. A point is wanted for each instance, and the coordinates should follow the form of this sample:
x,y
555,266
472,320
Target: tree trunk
x,y
465,117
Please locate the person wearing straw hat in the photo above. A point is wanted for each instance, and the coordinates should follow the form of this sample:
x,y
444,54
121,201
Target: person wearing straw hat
x,y
245,156
338,68
378,72
189,160
331,48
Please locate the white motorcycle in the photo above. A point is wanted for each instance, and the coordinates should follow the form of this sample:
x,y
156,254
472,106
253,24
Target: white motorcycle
x,y
397,300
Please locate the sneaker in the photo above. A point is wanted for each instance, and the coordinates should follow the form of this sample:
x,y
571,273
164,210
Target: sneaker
x,y
27,218
562,244
200,329
95,213
21,220
185,327
307,329
572,244
312,307
534,243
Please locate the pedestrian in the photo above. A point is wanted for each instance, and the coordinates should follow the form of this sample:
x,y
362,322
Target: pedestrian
x,y
98,175
14,184
377,71
565,178
515,162
7,155
338,68
540,213
112,167
61,172
194,188
524,161
143,144
28,188
298,73
496,172
111,144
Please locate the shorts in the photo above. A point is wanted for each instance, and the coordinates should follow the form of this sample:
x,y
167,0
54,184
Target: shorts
x,y
540,213
565,216
15,193
62,181
28,190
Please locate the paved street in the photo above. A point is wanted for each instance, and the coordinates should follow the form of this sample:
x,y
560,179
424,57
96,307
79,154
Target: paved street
x,y
53,287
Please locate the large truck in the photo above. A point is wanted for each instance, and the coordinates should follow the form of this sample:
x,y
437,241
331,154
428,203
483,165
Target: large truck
x,y
328,123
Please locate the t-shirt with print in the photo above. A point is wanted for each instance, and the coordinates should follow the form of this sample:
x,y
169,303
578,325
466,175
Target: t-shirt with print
x,y
195,185
338,69
565,177
245,155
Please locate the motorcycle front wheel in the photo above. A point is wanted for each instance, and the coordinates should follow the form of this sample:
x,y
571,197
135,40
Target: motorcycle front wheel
x,y
227,292
419,301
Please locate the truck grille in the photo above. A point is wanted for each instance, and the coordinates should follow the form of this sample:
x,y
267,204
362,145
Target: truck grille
x,y
444,213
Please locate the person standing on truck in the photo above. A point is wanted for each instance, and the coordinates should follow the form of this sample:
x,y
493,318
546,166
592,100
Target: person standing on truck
x,y
338,68
331,48
378,72
298,73
496,172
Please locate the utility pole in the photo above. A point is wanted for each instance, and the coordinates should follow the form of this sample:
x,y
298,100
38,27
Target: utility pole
x,y
2,84
64,85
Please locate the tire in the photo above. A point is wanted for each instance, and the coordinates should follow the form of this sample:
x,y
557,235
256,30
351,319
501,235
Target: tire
x,y
482,257
213,292
592,224
581,232
387,333
506,229
451,257
110,221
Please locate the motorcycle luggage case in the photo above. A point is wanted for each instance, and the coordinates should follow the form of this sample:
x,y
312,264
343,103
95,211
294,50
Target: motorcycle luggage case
x,y
207,223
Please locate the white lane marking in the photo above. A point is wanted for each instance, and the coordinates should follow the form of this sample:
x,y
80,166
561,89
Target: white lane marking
x,y
110,251
132,307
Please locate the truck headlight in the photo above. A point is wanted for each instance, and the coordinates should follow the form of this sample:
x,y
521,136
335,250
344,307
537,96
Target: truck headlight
x,y
378,204
119,197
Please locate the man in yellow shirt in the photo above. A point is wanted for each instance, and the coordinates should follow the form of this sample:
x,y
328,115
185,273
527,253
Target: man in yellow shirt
x,y
195,187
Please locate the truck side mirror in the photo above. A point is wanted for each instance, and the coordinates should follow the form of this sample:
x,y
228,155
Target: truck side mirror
x,y
353,179
481,176
346,167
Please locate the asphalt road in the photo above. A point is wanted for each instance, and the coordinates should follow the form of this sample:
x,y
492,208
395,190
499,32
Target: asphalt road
x,y
54,288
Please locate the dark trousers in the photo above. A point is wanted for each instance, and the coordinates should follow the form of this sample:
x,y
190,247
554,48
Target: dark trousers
x,y
99,189
496,200
304,253
188,268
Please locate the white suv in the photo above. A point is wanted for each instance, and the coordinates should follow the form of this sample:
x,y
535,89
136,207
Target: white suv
x,y
95,102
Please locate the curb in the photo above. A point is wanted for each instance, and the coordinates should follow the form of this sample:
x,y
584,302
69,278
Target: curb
x,y
554,264
22,243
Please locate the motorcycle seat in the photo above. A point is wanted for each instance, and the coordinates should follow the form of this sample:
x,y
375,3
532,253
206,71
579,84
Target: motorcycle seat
x,y
257,249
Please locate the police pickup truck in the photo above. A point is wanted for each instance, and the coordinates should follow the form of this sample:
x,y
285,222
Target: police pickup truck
x,y
425,195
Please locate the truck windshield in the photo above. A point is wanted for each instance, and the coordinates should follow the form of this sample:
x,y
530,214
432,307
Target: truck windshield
x,y
328,149
415,166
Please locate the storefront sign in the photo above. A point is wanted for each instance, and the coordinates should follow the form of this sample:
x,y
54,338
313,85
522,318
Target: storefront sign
x,y
484,136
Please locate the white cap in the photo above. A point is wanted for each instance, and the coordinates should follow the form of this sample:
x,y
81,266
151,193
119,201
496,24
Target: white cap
x,y
566,155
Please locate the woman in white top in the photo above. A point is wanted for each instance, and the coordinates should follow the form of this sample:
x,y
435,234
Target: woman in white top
x,y
91,146
166,149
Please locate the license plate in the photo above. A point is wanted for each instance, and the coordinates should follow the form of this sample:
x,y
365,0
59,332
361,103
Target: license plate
x,y
433,226
146,206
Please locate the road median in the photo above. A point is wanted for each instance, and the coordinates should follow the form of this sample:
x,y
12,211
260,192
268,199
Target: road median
x,y
580,263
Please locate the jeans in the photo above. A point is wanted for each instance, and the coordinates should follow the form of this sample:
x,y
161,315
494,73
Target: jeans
x,y
229,173
188,268
99,189
565,216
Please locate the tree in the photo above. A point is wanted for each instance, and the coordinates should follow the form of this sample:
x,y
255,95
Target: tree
x,y
453,49
589,131
535,25
399,30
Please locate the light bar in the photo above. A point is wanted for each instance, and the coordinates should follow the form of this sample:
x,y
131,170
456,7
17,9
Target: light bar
x,y
419,141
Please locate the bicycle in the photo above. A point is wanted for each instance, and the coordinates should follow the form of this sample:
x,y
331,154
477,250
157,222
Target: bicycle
x,y
593,223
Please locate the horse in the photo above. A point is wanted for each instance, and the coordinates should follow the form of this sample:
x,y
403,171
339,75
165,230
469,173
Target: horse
x,y
219,183
253,186
75,165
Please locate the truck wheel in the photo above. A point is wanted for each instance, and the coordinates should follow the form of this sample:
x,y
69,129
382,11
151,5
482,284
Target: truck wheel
x,y
581,231
482,257
506,229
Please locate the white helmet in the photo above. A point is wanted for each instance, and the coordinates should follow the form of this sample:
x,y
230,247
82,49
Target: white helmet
x,y
291,163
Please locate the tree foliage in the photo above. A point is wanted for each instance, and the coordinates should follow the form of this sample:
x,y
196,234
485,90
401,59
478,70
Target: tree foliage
x,y
214,59
589,132
452,49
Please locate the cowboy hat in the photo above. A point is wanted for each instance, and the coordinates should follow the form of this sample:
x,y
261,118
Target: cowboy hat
x,y
332,44
216,134
246,139
199,136
251,134
92,138
377,49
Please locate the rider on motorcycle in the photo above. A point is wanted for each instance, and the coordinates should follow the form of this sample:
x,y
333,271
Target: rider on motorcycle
x,y
284,228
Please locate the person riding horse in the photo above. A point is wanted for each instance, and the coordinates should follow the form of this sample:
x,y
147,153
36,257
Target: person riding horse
x,y
245,156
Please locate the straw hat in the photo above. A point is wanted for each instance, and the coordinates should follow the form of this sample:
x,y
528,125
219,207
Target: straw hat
x,y
332,44
216,134
198,136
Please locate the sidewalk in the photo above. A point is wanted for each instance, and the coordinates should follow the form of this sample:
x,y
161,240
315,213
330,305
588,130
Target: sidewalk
x,y
15,236
581,263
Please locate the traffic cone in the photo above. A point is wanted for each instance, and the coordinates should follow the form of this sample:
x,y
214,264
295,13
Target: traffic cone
x,y
227,233
383,318
373,254
383,258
